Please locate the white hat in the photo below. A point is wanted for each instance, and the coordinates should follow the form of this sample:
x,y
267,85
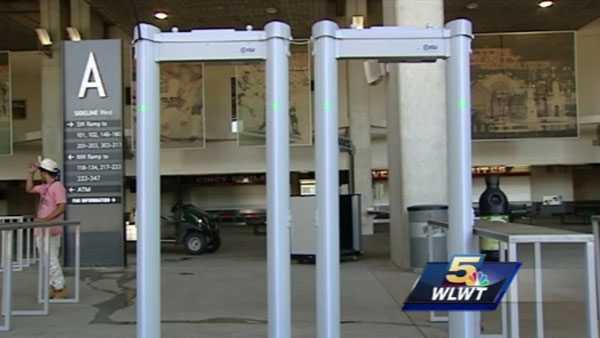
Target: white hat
x,y
48,165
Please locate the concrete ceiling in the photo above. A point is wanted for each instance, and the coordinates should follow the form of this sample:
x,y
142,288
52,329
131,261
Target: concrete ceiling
x,y
524,15
18,18
188,14
490,16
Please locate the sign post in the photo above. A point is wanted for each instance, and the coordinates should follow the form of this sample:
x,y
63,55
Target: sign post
x,y
93,148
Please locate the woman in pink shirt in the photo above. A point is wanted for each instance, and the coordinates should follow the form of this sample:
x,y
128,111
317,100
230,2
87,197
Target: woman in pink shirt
x,y
53,198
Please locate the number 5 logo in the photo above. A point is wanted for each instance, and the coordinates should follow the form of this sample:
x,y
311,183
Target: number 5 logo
x,y
461,268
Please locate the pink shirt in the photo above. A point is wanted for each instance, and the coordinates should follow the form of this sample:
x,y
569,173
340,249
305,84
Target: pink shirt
x,y
51,195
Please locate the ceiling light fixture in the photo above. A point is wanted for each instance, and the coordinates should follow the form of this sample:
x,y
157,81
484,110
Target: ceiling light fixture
x,y
358,22
43,37
271,10
73,34
44,41
161,15
546,3
472,5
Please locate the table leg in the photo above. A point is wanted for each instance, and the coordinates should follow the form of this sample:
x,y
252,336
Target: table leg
x,y
539,302
503,308
514,294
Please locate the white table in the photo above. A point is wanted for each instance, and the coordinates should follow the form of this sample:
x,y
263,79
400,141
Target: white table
x,y
512,234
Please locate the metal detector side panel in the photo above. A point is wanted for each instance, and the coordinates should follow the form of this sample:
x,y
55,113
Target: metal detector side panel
x,y
211,51
393,44
211,45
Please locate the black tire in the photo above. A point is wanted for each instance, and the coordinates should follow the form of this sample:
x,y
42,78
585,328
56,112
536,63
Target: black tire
x,y
214,245
195,243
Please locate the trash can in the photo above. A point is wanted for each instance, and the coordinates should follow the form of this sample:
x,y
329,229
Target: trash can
x,y
418,215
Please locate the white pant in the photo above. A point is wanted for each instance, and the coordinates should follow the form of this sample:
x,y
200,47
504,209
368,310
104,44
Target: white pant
x,y
57,279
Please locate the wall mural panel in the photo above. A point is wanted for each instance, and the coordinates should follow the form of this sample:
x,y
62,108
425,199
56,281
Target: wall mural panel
x,y
523,85
182,115
5,105
250,100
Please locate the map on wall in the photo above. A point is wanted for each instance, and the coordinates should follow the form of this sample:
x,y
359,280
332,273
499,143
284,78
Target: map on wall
x,y
250,101
182,105
523,86
182,117
5,106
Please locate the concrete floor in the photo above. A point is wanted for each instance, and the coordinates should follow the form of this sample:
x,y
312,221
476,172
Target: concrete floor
x,y
224,295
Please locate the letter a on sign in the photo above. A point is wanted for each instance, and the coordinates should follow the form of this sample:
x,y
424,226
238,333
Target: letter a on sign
x,y
91,78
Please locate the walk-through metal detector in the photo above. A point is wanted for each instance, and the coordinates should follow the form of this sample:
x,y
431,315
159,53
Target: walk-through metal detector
x,y
153,47
389,44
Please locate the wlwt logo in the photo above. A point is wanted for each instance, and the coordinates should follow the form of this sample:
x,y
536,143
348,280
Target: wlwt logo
x,y
467,283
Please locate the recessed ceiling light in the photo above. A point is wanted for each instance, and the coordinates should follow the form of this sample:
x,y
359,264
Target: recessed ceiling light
x,y
472,5
545,3
271,10
161,15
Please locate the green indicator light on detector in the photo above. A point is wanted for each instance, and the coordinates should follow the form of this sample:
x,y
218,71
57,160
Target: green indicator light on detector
x,y
142,108
462,104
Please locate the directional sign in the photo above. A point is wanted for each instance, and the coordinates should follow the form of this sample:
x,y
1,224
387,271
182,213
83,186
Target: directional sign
x,y
93,147
88,156
93,189
94,200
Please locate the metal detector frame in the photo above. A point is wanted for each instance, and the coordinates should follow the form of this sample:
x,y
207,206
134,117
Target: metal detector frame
x,y
389,44
152,47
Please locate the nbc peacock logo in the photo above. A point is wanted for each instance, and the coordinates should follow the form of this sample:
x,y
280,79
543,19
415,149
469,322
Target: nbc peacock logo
x,y
479,279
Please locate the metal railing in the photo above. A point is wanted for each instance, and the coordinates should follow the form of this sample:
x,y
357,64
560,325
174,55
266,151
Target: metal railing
x,y
25,253
8,266
596,232
510,235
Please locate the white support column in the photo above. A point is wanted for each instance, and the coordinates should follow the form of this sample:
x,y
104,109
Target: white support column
x,y
148,184
327,169
360,123
51,79
416,123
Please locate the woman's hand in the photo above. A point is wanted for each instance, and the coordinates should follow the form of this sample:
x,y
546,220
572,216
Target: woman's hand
x,y
33,168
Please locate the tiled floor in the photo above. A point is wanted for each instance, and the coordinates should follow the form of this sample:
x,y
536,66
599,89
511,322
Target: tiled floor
x,y
224,295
